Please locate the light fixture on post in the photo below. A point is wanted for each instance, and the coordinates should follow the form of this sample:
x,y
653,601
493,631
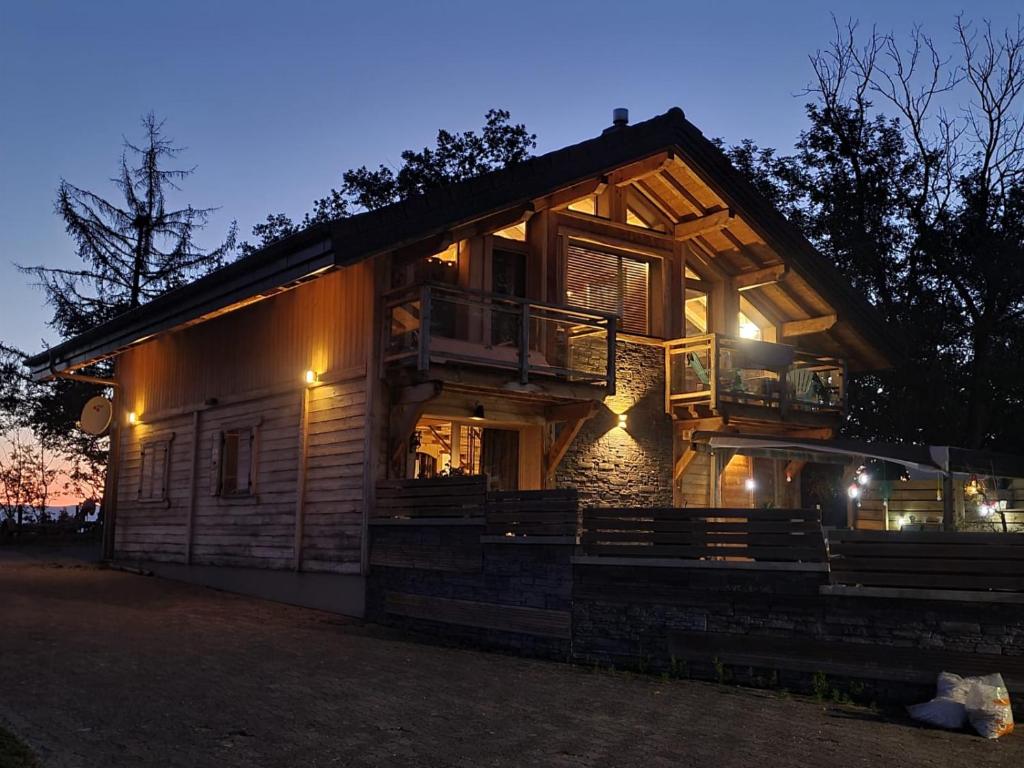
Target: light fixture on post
x,y
311,376
478,412
853,491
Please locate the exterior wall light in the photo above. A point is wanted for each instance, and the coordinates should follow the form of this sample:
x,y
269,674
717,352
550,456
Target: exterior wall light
x,y
311,376
622,420
133,418
863,478
853,491
478,413
750,484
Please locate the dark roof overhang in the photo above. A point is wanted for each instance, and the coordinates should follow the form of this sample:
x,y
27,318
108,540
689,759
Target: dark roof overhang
x,y
347,241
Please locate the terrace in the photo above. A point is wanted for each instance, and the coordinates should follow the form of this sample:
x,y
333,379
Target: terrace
x,y
716,374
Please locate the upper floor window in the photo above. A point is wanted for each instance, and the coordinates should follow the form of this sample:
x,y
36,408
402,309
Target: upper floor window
x,y
610,282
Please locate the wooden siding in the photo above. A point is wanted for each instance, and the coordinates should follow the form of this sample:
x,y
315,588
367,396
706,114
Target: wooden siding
x,y
245,369
333,501
155,530
324,324
696,482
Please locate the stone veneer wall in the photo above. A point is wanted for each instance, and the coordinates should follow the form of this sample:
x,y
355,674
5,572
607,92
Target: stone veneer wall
x,y
527,596
635,616
611,466
447,581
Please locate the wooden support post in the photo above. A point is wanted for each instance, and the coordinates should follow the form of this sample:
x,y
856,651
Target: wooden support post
x,y
300,495
611,358
193,481
850,476
948,503
715,491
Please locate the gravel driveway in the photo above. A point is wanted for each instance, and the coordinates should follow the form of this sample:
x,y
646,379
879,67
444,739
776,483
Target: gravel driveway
x,y
104,668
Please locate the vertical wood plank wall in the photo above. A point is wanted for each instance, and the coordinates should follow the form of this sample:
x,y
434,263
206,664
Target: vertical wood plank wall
x,y
247,368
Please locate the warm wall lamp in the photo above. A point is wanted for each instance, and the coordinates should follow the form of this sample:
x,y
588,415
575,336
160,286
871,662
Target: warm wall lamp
x,y
311,376
133,418
750,484
478,412
622,420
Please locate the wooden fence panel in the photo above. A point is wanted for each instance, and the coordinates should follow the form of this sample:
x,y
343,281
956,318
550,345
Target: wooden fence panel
x,y
927,560
552,512
767,535
439,497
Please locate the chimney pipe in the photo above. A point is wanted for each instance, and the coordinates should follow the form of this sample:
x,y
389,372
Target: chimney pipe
x,y
620,117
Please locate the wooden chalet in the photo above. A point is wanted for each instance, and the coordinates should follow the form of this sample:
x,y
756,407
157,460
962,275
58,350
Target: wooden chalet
x,y
569,321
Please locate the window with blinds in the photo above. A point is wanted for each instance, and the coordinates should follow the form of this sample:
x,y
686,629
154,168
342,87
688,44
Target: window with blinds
x,y
610,282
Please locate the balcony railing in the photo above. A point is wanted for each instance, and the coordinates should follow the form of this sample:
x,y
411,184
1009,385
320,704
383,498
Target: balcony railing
x,y
716,371
433,324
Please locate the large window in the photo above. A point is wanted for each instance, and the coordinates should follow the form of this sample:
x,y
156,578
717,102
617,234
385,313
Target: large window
x,y
610,282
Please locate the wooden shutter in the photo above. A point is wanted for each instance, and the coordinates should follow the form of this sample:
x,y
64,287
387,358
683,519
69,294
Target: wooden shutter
x,y
215,462
636,295
592,279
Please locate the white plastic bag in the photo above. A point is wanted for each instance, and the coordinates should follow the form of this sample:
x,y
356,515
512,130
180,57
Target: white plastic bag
x,y
982,701
947,709
988,706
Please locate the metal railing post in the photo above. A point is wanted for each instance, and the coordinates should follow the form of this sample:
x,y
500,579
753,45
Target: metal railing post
x,y
611,355
524,344
423,363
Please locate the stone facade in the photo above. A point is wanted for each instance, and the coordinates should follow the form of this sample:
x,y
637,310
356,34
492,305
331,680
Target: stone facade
x,y
631,466
458,590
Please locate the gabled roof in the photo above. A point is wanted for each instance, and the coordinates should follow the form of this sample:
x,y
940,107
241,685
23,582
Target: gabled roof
x,y
346,241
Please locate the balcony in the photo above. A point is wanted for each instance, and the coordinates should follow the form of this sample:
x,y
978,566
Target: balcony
x,y
433,324
721,375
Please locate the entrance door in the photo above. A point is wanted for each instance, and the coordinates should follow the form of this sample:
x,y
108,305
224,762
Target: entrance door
x,y
500,458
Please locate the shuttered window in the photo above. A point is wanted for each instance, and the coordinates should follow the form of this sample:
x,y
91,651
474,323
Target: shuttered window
x,y
154,464
610,282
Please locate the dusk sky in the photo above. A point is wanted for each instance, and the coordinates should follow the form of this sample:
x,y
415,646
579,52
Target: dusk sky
x,y
274,100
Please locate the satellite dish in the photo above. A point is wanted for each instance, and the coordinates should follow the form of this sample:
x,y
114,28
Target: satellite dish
x,y
96,415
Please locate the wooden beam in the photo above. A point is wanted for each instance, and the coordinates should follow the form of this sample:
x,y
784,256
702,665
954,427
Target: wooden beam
x,y
745,281
686,230
571,411
563,197
685,459
809,325
419,393
575,416
640,169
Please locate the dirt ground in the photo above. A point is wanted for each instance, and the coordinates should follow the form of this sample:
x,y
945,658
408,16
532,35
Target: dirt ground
x,y
104,668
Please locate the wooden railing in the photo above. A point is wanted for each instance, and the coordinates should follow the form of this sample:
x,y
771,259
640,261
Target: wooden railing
x,y
533,513
934,560
433,323
760,535
713,370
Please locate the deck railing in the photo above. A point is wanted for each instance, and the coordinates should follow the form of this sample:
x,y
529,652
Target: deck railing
x,y
713,370
437,324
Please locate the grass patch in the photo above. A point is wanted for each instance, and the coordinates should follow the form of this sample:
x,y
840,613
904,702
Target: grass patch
x,y
14,753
